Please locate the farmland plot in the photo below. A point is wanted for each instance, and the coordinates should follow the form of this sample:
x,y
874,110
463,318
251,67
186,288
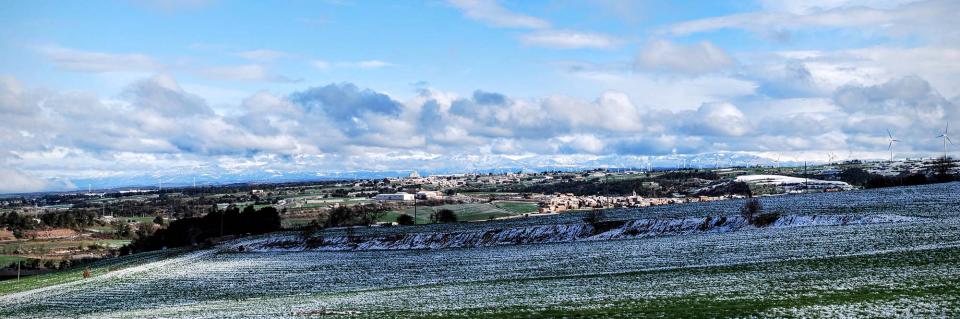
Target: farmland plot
x,y
907,267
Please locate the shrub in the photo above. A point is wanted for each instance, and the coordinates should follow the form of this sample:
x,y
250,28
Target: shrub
x,y
405,220
765,219
705,224
312,235
593,217
750,209
309,230
352,216
444,216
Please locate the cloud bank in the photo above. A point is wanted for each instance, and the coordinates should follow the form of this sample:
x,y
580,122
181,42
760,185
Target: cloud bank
x,y
156,125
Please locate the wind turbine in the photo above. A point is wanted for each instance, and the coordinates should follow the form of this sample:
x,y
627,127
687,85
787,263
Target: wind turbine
x,y
946,138
890,146
830,157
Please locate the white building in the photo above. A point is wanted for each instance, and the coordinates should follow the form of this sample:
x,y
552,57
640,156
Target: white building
x,y
429,195
394,197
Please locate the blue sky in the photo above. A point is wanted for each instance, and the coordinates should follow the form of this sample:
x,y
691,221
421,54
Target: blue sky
x,y
133,90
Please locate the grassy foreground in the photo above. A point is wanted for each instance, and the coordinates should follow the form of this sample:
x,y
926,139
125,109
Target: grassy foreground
x,y
798,288
76,273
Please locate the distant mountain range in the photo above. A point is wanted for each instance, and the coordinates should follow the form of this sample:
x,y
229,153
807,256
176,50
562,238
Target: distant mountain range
x,y
472,164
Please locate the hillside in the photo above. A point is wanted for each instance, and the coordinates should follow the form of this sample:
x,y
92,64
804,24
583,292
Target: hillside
x,y
859,253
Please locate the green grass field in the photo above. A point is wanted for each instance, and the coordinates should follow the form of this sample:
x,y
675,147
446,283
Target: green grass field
x,y
49,245
517,207
790,285
294,222
8,259
466,212
139,219
76,273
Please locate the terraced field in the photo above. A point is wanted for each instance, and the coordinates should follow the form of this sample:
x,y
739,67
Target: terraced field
x,y
900,267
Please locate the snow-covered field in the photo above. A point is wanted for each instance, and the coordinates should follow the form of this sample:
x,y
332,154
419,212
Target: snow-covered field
x,y
876,253
790,182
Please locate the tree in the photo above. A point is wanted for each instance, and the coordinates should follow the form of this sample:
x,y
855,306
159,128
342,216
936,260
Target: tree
x,y
121,229
941,169
352,216
750,208
444,216
260,221
312,234
855,176
145,230
159,220
593,217
192,230
752,211
405,220
338,216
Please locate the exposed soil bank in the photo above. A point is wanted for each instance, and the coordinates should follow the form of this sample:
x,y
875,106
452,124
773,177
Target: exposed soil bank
x,y
607,230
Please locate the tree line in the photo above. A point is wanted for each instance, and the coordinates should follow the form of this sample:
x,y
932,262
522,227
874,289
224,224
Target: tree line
x,y
73,219
216,223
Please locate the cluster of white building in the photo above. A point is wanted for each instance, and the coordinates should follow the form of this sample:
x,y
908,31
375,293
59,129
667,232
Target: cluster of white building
x,y
561,202
403,196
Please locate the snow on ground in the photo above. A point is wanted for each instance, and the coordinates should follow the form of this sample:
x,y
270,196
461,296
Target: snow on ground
x,y
899,245
780,180
609,230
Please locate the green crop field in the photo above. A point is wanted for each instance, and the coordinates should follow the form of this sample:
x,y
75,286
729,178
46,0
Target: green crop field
x,y
465,212
517,207
8,259
53,244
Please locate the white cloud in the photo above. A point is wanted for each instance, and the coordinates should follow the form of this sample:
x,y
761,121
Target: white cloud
x,y
366,64
655,90
175,5
697,58
242,72
930,19
156,126
568,39
810,6
581,143
492,13
320,64
373,64
89,61
15,181
263,55
720,119
830,70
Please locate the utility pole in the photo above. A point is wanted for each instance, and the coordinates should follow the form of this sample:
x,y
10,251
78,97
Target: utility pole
x,y
805,186
414,209
18,264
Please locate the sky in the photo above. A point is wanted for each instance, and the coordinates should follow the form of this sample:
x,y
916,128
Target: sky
x,y
151,90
